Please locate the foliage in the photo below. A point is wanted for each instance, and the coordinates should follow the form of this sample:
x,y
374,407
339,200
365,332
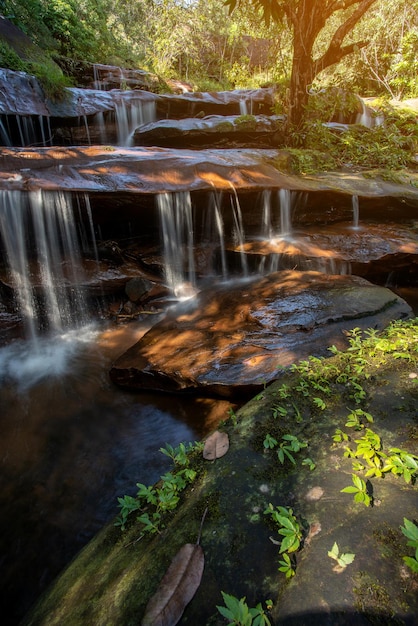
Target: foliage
x,y
342,559
238,612
387,146
287,448
153,501
288,525
359,489
287,566
410,530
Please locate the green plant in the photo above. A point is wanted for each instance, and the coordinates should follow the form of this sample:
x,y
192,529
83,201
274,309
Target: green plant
x,y
307,461
179,455
238,612
153,501
279,411
402,463
359,489
289,446
289,527
232,416
369,447
286,566
342,559
410,530
340,436
354,419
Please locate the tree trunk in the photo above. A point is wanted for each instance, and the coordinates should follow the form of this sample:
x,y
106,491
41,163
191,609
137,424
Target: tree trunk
x,y
301,78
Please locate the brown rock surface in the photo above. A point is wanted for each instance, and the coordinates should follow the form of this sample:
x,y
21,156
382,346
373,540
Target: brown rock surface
x,y
233,338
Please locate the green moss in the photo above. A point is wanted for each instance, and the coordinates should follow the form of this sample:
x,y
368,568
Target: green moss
x,y
246,122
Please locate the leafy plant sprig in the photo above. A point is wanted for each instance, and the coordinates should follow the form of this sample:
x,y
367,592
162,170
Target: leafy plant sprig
x,y
287,566
289,527
410,530
286,448
153,501
359,489
343,559
239,614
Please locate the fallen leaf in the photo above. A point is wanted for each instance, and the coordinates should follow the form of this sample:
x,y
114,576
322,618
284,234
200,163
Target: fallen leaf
x,y
216,445
177,588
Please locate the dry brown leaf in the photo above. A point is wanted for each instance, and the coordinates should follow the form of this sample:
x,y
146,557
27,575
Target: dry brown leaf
x,y
216,445
177,588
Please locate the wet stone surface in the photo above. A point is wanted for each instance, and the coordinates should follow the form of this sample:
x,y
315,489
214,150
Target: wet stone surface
x,y
232,338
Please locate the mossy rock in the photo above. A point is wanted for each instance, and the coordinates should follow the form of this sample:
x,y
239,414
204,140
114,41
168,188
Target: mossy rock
x,y
112,579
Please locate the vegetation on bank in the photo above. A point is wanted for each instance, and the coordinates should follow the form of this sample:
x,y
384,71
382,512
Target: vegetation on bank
x,y
306,408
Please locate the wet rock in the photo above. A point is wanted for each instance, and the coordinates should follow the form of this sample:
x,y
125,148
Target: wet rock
x,y
373,251
237,102
215,130
156,170
137,288
231,339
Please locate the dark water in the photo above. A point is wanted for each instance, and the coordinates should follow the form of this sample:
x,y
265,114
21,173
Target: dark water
x,y
70,444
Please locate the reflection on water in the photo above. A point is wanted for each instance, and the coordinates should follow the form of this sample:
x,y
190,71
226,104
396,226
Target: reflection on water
x,y
70,444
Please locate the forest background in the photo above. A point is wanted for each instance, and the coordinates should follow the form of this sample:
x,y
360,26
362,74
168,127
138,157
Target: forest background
x,y
202,43
211,48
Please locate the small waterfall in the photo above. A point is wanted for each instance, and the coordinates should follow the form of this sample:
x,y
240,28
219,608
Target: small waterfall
x,y
246,105
42,252
214,231
355,205
130,116
238,232
285,199
178,242
266,224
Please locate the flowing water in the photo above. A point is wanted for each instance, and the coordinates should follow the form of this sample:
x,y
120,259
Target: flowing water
x,y
70,442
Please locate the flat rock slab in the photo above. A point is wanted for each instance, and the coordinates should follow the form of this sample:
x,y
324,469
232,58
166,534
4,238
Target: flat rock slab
x,y
159,170
232,130
232,339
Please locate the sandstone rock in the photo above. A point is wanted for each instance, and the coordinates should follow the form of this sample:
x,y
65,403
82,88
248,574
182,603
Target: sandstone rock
x,y
214,130
232,338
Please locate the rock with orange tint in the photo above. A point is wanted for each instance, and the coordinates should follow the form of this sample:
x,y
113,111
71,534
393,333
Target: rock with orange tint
x,y
230,340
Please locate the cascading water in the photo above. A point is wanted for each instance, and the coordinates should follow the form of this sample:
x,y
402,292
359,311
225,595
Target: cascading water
x,y
238,232
285,197
39,236
130,116
177,232
42,259
356,211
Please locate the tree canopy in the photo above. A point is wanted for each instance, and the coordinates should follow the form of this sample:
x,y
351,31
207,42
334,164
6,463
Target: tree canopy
x,y
290,43
307,19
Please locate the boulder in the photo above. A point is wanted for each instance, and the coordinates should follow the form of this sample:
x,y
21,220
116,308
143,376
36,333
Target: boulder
x,y
233,338
213,130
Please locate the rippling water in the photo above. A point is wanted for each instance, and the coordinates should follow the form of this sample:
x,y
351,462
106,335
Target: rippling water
x,y
71,443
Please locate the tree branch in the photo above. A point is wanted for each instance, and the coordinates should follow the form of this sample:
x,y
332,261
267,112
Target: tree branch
x,y
333,56
349,24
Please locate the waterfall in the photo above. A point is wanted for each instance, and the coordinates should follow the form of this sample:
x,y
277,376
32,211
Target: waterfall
x,y
285,198
130,117
266,225
41,246
178,242
214,232
244,109
355,205
238,232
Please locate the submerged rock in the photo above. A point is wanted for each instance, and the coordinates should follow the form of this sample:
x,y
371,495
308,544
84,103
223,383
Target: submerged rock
x,y
231,339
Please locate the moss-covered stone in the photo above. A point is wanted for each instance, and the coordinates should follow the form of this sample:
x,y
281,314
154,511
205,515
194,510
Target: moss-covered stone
x,y
112,579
